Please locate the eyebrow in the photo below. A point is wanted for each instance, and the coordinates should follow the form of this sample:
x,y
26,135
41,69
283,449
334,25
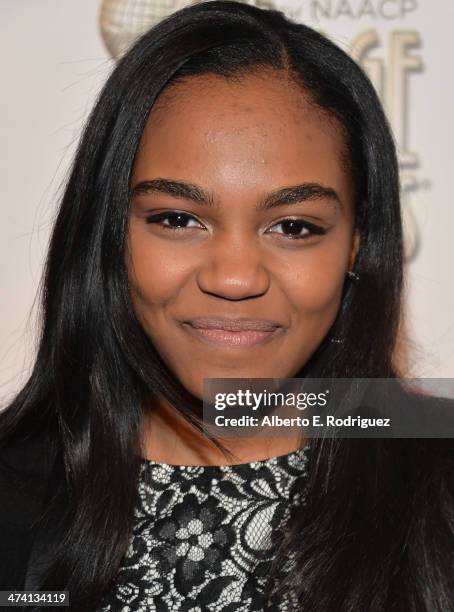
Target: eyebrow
x,y
281,197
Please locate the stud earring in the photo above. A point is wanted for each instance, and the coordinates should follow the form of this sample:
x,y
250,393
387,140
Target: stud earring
x,y
336,340
353,275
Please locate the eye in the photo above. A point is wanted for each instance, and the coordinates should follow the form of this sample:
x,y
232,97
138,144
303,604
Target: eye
x,y
294,229
297,229
175,220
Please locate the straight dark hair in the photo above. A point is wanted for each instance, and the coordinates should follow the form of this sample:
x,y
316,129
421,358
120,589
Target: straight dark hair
x,y
375,533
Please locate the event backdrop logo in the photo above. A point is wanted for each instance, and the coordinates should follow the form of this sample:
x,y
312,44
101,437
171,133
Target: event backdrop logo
x,y
389,60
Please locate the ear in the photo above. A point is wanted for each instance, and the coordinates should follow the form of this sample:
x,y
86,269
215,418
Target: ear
x,y
354,250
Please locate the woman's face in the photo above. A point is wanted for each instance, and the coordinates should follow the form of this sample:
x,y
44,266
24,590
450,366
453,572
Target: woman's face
x,y
240,228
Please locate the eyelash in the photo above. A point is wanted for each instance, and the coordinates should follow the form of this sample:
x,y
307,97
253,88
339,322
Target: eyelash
x,y
158,218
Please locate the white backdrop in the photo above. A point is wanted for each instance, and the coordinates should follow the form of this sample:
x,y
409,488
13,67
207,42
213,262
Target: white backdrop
x,y
54,61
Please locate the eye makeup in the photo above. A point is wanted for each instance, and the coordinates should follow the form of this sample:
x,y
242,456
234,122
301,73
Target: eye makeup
x,y
177,221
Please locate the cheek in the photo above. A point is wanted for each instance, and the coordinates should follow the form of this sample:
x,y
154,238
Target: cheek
x,y
156,272
317,286
314,283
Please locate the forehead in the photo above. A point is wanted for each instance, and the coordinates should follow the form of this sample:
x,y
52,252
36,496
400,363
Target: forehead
x,y
259,131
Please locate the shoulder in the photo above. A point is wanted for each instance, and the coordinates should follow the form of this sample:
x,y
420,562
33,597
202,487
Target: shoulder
x,y
27,455
24,469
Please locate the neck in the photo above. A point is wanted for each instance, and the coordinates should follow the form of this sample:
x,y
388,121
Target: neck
x,y
167,437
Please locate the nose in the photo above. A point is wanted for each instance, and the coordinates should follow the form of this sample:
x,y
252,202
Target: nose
x,y
234,269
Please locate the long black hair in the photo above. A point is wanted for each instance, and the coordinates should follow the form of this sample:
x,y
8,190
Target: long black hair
x,y
368,537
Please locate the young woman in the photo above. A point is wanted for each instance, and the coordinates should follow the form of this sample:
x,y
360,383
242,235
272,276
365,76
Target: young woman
x,y
232,212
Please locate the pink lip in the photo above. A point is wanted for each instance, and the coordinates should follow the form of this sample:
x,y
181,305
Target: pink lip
x,y
233,332
239,324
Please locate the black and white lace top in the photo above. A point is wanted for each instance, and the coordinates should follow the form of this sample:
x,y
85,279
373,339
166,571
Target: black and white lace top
x,y
203,535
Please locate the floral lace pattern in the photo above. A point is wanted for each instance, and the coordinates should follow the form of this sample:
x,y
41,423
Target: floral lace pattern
x,y
203,535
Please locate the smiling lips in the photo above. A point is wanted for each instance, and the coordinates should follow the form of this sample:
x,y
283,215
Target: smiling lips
x,y
233,332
